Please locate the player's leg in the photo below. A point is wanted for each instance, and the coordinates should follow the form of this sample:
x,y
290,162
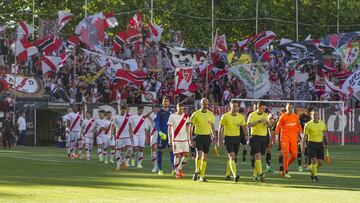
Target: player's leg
x,y
268,154
259,150
207,143
199,153
105,150
280,160
285,147
160,148
87,148
172,157
293,152
141,151
67,140
72,144
252,154
299,158
154,151
244,149
80,144
100,147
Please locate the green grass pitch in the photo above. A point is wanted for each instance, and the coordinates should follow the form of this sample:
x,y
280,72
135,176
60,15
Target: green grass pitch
x,y
44,174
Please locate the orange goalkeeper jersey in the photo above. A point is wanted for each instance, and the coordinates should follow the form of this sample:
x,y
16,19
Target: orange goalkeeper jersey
x,y
289,126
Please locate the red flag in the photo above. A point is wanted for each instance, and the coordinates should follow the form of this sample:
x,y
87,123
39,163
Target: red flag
x,y
24,30
124,77
220,42
24,49
4,85
64,17
48,44
74,40
110,20
119,41
263,39
155,31
52,63
183,81
136,21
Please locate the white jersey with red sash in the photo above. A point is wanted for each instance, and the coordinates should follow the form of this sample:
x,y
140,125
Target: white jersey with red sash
x,y
88,127
122,123
108,126
138,124
178,126
99,124
75,120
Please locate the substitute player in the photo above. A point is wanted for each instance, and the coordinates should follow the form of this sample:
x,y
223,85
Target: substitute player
x,y
258,122
123,138
161,121
290,128
315,135
180,140
88,128
74,120
230,125
203,121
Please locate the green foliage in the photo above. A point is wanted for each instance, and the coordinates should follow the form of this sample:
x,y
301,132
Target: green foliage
x,y
233,17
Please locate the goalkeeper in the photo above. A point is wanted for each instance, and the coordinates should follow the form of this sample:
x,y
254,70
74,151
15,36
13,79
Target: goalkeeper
x,y
315,136
161,125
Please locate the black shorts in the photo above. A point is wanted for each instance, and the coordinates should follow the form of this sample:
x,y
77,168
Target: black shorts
x,y
232,144
203,143
242,137
279,144
316,150
259,144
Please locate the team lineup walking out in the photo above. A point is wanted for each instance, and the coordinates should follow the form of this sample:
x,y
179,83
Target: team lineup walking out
x,y
121,138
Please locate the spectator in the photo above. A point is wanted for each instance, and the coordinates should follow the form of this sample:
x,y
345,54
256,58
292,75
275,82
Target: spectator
x,y
8,131
21,123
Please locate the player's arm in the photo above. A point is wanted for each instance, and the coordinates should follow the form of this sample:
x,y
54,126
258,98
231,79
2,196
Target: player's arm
x,y
251,122
170,134
220,134
188,129
303,143
212,128
279,125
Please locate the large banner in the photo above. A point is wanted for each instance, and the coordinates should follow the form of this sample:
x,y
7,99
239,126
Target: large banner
x,y
255,78
26,86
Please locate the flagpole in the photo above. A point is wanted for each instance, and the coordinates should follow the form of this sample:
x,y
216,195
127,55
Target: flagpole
x,y
297,20
338,17
257,16
33,18
207,75
152,11
212,22
86,2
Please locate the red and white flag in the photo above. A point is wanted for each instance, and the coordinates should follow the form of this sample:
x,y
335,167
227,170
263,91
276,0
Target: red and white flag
x,y
24,49
243,44
64,17
220,43
52,63
183,81
74,40
48,44
263,39
92,31
24,30
110,20
124,77
156,31
119,41
202,68
136,21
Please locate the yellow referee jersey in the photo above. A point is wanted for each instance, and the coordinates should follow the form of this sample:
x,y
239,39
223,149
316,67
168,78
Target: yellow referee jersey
x,y
231,123
202,122
259,129
315,130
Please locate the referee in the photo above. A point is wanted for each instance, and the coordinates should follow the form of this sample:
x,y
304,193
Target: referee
x,y
258,123
315,135
203,121
230,124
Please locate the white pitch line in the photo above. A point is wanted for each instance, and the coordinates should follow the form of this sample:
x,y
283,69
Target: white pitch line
x,y
34,159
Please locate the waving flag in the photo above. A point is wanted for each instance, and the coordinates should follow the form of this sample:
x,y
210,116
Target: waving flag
x,y
334,42
181,57
220,42
328,66
242,44
156,31
4,85
92,31
64,17
119,41
74,40
110,20
255,78
48,44
52,63
350,55
24,30
183,81
124,77
136,21
24,49
352,85
302,53
263,39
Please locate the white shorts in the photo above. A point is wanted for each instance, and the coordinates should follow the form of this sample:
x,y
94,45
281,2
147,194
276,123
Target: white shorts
x,y
180,147
89,140
99,139
80,137
108,140
74,136
123,142
139,141
154,138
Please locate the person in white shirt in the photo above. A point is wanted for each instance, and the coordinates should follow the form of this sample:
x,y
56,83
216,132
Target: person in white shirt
x,y
21,122
139,135
179,134
108,138
74,120
100,128
123,138
67,132
153,139
88,129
